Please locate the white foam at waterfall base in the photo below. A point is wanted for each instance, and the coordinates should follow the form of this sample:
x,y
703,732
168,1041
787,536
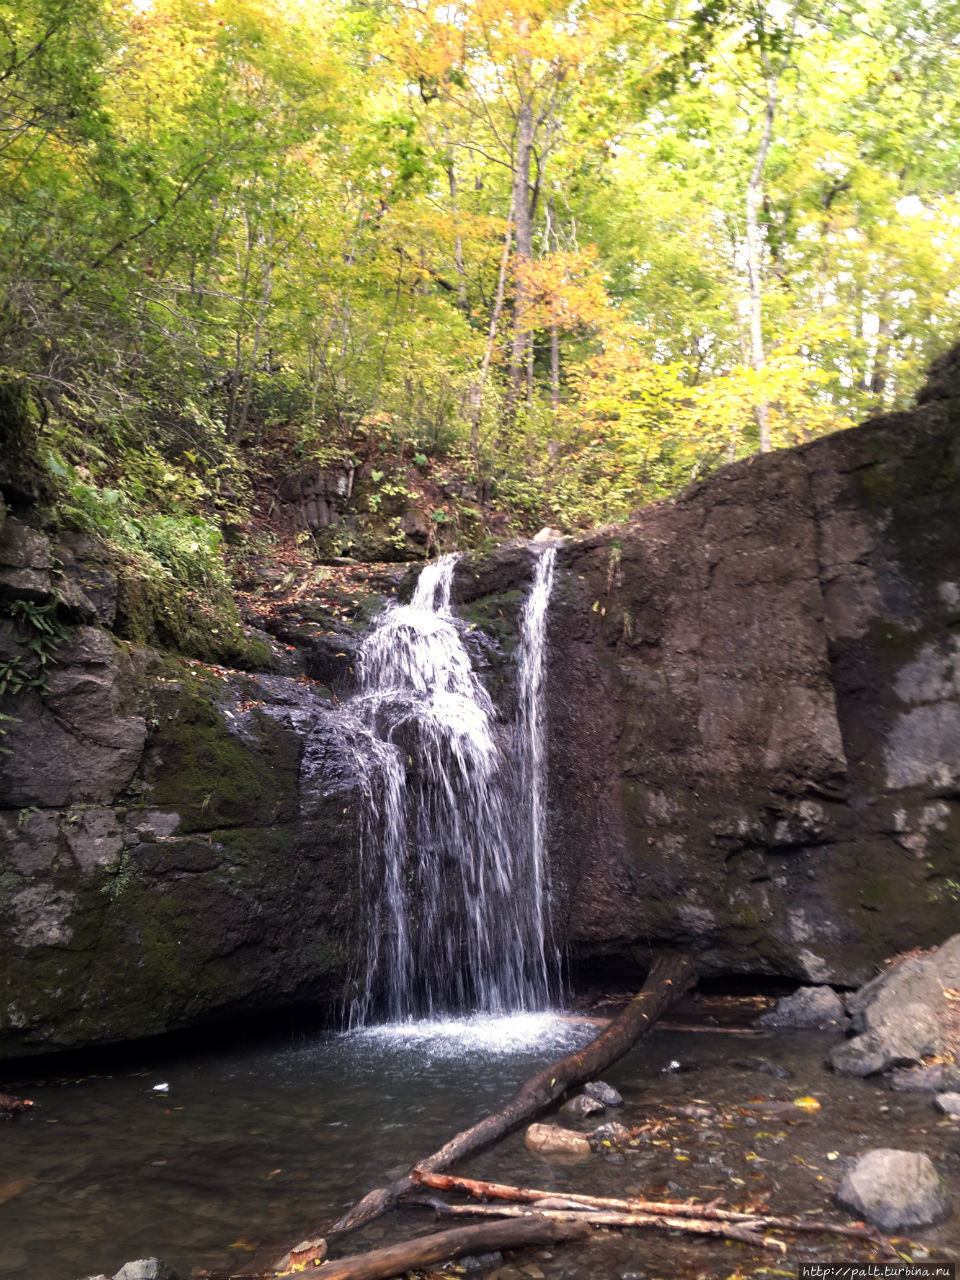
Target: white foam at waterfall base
x,y
480,1034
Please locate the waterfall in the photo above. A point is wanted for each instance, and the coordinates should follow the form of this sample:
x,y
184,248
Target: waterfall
x,y
454,884
531,744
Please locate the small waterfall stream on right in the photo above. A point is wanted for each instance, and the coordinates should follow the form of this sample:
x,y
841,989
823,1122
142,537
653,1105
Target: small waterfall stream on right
x,y
454,873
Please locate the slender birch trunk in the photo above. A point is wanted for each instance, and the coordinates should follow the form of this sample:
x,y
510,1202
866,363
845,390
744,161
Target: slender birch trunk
x,y
755,253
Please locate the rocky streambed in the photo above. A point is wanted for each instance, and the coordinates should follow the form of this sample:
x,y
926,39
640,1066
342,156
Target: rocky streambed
x,y
246,1148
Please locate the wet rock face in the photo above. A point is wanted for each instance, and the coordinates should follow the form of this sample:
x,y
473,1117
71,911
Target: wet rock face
x,y
167,855
75,745
755,710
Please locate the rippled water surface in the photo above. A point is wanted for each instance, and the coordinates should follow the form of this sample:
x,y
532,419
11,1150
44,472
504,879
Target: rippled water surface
x,y
252,1148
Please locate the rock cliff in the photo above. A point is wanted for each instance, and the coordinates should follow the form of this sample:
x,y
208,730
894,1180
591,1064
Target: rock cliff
x,y
175,836
754,750
756,709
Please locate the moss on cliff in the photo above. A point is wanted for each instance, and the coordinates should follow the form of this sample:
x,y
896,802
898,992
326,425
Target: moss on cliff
x,y
156,611
21,473
214,777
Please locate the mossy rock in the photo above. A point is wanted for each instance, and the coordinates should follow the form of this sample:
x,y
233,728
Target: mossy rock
x,y
214,777
497,615
154,611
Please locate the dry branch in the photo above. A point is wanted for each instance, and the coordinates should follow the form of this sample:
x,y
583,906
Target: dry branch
x,y
745,1232
669,978
633,1204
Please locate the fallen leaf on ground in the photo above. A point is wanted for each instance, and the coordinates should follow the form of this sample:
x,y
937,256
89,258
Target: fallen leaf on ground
x,y
10,1189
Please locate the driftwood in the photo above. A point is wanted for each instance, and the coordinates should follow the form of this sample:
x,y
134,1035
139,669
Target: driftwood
x,y
744,1232
632,1204
669,978
438,1247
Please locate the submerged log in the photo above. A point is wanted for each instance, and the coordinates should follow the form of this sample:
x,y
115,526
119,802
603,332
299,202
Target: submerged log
x,y
395,1259
670,977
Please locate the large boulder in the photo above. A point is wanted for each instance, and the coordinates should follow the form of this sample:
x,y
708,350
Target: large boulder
x,y
808,1008
894,1189
922,979
906,1037
146,1269
900,1014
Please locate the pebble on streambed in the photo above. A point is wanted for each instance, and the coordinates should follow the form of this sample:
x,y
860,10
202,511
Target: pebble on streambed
x,y
142,1269
550,1139
583,1105
603,1092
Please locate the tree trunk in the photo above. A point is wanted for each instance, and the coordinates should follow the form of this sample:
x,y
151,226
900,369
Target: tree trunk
x,y
879,375
523,235
236,373
555,366
266,293
755,256
669,978
476,391
458,241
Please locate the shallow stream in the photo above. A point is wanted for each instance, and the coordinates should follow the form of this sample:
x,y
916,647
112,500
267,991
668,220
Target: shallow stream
x,y
249,1149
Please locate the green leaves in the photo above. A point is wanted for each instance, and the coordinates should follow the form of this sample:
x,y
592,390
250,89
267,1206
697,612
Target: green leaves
x,y
38,633
221,222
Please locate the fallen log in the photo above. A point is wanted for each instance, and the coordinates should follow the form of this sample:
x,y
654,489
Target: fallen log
x,y
634,1204
745,1232
422,1251
670,977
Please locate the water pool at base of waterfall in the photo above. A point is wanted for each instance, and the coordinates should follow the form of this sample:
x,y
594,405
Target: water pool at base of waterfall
x,y
246,1147
252,1148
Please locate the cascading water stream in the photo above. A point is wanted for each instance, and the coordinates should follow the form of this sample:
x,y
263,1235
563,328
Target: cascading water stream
x,y
531,745
456,890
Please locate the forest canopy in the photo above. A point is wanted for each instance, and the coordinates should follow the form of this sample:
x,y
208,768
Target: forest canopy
x,y
583,252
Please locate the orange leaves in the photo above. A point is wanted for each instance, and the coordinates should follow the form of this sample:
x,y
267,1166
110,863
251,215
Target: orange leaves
x,y
564,289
